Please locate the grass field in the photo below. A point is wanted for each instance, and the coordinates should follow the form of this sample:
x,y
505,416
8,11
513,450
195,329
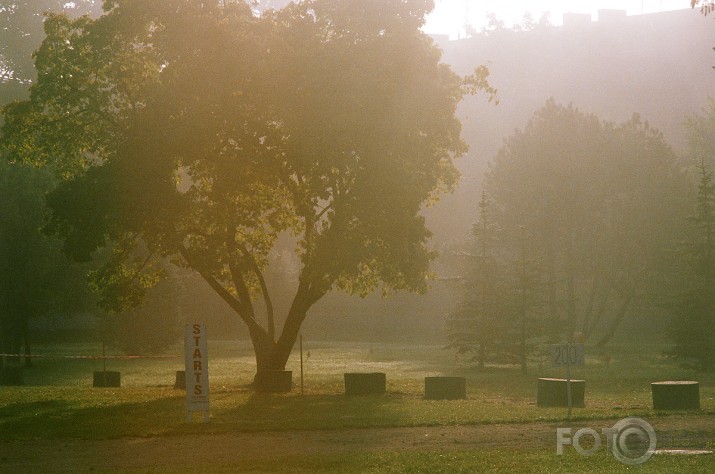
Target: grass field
x,y
58,403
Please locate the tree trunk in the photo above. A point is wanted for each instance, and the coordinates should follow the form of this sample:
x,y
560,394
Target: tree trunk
x,y
622,310
571,292
265,379
523,349
26,338
593,296
28,353
272,356
603,302
263,348
291,329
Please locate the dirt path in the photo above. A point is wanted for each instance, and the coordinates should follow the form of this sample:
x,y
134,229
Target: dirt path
x,y
168,453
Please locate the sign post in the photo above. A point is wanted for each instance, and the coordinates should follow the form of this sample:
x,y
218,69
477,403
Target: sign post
x,y
301,365
197,370
566,355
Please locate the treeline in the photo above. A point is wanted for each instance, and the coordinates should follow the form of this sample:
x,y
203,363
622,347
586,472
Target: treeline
x,y
584,223
580,223
41,288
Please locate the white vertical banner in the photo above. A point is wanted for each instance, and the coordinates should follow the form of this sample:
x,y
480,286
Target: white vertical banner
x,y
197,369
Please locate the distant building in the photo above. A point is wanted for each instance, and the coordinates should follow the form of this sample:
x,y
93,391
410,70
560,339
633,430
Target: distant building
x,y
611,16
576,20
440,40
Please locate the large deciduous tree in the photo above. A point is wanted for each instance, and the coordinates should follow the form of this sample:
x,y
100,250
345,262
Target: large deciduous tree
x,y
203,132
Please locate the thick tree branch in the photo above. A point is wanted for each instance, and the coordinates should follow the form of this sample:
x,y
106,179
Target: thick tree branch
x,y
239,283
225,295
237,269
322,212
264,291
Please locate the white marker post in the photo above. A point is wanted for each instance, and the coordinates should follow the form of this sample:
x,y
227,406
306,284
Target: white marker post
x,y
566,355
197,370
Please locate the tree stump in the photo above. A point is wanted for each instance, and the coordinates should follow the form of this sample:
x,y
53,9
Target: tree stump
x,y
445,388
274,381
107,378
676,395
554,393
11,375
373,383
180,382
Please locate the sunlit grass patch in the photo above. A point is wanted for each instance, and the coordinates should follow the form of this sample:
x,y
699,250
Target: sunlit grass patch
x,y
461,461
59,401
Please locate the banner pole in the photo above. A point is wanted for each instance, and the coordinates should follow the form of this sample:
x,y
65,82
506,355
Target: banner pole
x,y
301,365
568,379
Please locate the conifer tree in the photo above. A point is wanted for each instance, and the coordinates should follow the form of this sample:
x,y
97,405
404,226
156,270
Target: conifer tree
x,y
693,324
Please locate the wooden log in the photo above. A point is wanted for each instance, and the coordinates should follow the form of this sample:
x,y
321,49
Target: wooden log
x,y
274,381
445,388
107,378
180,382
554,393
369,383
676,395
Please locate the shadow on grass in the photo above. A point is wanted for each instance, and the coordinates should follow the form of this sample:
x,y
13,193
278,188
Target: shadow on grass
x,y
288,412
104,418
115,413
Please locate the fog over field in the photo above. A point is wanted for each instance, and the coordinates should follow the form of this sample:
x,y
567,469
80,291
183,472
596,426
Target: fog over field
x,y
603,107
357,236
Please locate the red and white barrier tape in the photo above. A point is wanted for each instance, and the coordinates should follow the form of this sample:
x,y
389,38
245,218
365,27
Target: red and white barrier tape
x,y
40,356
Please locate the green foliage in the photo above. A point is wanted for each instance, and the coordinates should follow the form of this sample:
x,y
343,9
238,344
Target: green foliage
x,y
700,133
204,132
704,223
480,324
20,34
693,324
151,328
601,203
36,279
121,281
498,318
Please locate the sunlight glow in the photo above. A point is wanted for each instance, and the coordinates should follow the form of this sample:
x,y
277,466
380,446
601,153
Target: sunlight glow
x,y
451,16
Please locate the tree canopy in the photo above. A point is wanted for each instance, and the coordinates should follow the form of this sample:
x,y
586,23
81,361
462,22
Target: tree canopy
x,y
204,132
601,202
692,327
21,32
36,279
692,264
706,6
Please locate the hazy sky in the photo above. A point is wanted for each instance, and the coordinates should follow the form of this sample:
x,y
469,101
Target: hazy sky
x,y
449,15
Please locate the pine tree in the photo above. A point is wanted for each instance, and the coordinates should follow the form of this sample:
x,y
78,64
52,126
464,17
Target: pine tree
x,y
495,318
693,325
475,324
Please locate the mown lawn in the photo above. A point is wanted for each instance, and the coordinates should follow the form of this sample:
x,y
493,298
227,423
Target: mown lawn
x,y
468,462
58,403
